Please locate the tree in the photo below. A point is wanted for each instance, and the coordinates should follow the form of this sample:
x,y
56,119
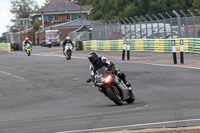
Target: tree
x,y
196,4
23,8
47,2
34,29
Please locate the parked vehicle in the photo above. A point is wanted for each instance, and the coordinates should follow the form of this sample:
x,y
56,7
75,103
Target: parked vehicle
x,y
189,31
147,30
113,87
51,38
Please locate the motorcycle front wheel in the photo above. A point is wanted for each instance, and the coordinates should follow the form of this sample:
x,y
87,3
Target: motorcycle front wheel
x,y
131,98
28,53
69,54
114,95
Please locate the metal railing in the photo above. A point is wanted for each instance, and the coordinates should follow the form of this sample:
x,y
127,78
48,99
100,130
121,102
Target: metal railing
x,y
177,24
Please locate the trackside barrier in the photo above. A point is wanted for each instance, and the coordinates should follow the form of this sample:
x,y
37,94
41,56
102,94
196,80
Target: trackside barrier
x,y
181,52
126,45
124,49
174,51
5,47
191,45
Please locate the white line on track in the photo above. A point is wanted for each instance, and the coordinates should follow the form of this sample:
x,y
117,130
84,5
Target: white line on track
x,y
11,74
129,126
5,72
17,77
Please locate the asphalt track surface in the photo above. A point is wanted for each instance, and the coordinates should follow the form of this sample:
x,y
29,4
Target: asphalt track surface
x,y
48,94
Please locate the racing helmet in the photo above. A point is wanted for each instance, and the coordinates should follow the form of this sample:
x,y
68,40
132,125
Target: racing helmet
x,y
67,38
93,57
27,39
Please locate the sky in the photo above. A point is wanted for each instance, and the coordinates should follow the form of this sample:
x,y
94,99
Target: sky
x,y
6,16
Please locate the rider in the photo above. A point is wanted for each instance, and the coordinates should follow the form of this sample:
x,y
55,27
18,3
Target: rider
x,y
25,43
99,62
67,40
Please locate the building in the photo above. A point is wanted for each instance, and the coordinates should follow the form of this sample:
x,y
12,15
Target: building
x,y
57,12
60,11
64,28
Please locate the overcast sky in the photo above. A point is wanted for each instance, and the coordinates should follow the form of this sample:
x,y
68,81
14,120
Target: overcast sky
x,y
6,16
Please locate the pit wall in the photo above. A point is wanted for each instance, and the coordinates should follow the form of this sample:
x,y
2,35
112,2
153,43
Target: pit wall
x,y
5,47
191,45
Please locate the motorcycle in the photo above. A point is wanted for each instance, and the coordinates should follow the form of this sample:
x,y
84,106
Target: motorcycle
x,y
68,51
28,49
112,86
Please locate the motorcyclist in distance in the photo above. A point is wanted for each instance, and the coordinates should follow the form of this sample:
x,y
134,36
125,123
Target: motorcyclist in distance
x,y
67,40
99,62
25,42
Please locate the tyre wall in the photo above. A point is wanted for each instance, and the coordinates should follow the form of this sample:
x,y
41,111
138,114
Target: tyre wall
x,y
5,47
191,45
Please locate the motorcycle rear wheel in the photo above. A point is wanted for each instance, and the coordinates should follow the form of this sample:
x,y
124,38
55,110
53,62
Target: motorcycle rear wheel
x,y
114,96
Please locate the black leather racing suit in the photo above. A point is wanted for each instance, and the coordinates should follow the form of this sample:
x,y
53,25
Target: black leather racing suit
x,y
103,61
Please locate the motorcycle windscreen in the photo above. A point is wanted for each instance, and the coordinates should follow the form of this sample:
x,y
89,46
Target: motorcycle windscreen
x,y
28,45
102,72
68,46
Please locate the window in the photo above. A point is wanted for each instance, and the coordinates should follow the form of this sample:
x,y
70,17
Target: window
x,y
48,18
68,17
26,23
19,23
74,16
56,19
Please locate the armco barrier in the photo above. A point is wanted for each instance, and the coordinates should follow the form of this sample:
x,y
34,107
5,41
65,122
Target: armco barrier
x,y
191,45
5,47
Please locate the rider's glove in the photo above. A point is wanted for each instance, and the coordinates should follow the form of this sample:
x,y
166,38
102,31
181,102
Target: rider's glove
x,y
110,67
89,80
114,71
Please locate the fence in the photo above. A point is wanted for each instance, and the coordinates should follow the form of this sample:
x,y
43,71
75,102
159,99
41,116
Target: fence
x,y
191,45
80,36
182,24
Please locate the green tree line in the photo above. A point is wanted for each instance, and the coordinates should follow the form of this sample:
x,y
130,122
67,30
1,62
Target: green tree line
x,y
107,9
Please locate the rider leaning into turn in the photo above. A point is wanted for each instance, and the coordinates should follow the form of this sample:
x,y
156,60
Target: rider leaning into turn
x,y
26,41
67,40
99,62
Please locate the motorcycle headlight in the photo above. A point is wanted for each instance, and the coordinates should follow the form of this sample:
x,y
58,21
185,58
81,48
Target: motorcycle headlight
x,y
108,79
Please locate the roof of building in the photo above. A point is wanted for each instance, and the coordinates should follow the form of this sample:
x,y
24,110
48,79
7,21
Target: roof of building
x,y
83,28
63,6
74,23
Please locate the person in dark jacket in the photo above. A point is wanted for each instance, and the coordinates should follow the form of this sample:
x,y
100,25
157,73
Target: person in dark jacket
x,y
67,41
99,62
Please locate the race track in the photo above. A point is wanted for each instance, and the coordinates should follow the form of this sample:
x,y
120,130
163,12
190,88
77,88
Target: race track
x,y
48,94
